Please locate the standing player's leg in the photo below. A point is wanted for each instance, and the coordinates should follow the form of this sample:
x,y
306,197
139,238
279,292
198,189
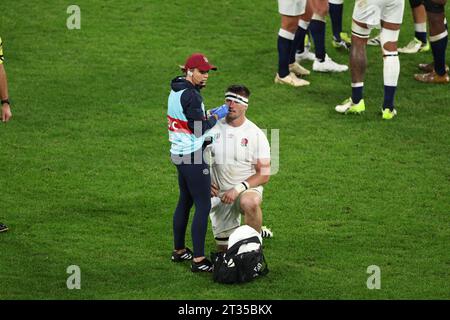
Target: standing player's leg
x,y
438,40
340,39
181,218
336,11
420,42
391,20
199,184
286,36
429,67
302,52
323,63
299,43
358,63
390,15
317,28
420,24
290,11
300,33
391,66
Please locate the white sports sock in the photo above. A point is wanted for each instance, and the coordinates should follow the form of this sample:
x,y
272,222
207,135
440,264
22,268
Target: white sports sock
x,y
391,68
286,34
420,27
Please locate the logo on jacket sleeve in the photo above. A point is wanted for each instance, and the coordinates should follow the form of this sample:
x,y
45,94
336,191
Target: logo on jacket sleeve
x,y
177,125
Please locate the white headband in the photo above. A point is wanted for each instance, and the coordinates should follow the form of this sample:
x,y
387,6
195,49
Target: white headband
x,y
236,98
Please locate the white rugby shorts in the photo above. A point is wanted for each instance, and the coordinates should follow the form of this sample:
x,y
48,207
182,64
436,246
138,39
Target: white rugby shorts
x,y
291,7
371,12
225,218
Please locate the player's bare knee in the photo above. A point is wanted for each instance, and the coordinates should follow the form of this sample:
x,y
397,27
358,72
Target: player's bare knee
x,y
391,63
249,205
388,40
390,46
320,7
289,24
291,28
323,12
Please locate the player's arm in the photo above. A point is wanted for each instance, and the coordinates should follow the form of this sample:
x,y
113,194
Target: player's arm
x,y
6,110
262,165
3,84
192,107
261,176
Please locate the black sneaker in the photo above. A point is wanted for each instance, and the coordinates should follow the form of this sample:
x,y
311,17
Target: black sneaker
x,y
3,227
203,266
180,257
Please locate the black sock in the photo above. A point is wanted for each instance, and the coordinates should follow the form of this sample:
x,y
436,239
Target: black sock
x,y
298,43
317,29
389,93
284,52
422,36
357,94
438,48
336,19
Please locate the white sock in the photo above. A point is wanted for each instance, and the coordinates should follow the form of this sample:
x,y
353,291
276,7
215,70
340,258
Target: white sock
x,y
391,68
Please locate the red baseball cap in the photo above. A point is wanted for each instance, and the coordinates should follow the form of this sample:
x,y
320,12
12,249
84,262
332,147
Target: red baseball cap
x,y
199,61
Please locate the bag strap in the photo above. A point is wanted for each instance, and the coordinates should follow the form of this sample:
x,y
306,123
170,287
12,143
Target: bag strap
x,y
266,269
235,247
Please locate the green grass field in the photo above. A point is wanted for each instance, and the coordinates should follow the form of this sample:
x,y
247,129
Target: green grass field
x,y
86,178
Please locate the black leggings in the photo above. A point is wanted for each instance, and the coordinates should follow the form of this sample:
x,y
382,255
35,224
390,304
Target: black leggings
x,y
194,181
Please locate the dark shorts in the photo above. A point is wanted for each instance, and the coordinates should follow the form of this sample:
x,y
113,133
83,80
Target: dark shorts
x,y
435,6
416,3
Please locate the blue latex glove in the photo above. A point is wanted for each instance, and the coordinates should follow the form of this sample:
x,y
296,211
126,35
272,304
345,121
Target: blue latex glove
x,y
221,111
210,112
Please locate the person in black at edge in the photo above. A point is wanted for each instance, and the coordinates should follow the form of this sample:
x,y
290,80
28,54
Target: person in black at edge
x,y
187,124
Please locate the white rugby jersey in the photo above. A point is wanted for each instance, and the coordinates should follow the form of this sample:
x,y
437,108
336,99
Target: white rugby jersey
x,y
235,151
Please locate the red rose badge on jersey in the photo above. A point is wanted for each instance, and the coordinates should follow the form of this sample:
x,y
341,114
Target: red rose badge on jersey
x,y
244,142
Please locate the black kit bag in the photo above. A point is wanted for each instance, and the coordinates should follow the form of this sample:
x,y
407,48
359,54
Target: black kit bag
x,y
231,267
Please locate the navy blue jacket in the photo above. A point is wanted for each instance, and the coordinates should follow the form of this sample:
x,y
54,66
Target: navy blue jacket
x,y
192,102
